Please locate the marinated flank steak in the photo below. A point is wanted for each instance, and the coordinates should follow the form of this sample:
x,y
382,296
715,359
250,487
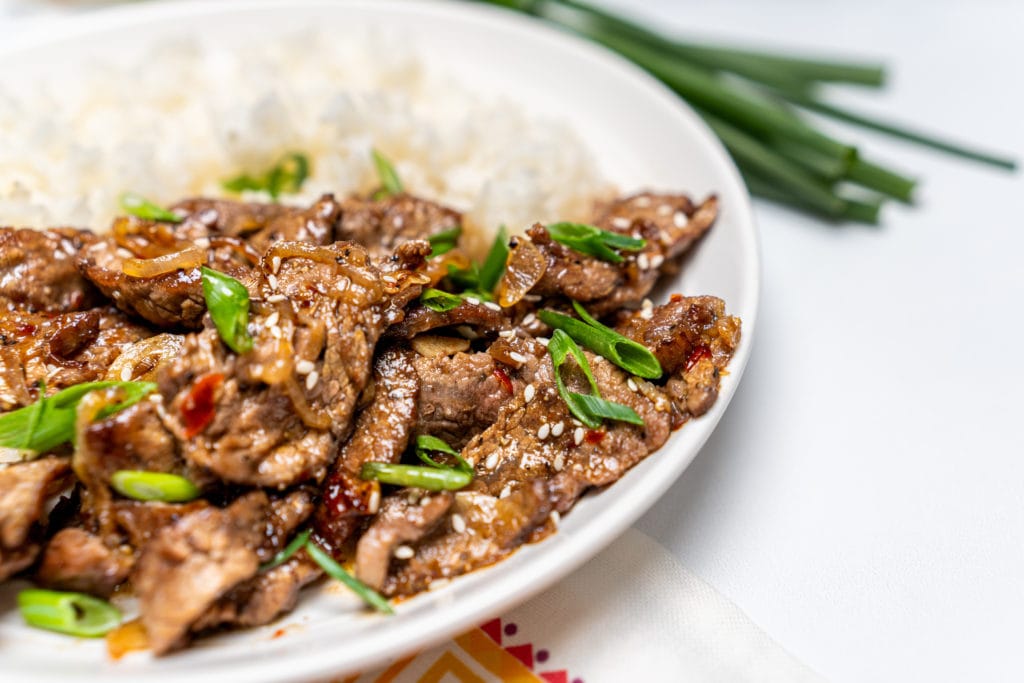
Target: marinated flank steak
x,y
227,400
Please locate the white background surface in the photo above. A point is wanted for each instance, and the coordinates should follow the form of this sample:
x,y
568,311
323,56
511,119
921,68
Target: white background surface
x,y
863,498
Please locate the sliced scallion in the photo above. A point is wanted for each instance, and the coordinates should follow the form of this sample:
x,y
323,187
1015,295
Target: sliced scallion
x,y
154,486
288,551
593,241
74,614
592,409
50,421
286,176
140,207
444,241
390,184
426,443
416,476
632,357
227,299
439,301
494,265
337,572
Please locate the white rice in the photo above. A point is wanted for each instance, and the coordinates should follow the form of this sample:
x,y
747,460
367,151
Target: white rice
x,y
191,115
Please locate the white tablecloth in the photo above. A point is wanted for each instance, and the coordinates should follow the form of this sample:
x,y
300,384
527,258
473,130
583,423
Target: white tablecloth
x,y
861,502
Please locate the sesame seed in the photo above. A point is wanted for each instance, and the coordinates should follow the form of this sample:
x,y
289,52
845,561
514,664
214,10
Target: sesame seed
x,y
657,260
275,332
342,284
559,462
203,242
59,255
543,341
598,359
558,428
304,367
577,422
577,436
529,319
532,298
311,380
529,392
374,503
458,524
555,518
275,264
272,319
399,221
517,357
680,220
543,432
507,334
390,279
126,373
472,300
493,306
621,222
404,552
664,209
646,314
492,461
276,298
272,281
123,253
505,491
643,261
631,384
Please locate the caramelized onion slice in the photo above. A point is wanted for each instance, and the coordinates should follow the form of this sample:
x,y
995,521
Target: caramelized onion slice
x,y
191,257
526,266
142,360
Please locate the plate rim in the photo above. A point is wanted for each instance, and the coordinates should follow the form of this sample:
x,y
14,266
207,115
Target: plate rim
x,y
601,531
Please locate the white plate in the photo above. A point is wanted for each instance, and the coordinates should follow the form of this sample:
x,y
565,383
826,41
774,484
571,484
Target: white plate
x,y
641,135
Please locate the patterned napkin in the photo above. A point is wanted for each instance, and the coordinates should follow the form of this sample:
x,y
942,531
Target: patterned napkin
x,y
633,613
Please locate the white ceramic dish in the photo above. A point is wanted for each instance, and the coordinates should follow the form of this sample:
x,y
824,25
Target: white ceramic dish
x,y
642,136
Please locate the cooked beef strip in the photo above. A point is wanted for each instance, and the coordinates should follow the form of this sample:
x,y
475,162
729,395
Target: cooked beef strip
x,y
693,339
189,565
139,521
381,434
405,517
480,317
382,225
37,271
24,488
60,349
76,560
670,224
488,529
279,411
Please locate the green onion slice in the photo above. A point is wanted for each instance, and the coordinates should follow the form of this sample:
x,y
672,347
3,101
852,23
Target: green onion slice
x,y
439,301
592,409
494,265
417,476
389,180
444,241
593,241
627,354
336,571
425,443
158,486
286,176
75,614
227,299
50,421
141,207
288,551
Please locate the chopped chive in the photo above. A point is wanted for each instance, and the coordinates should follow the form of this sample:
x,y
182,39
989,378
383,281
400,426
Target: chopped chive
x,y
227,299
429,478
153,486
337,572
593,241
140,207
590,410
854,210
494,265
288,551
439,301
632,357
74,614
882,180
50,421
444,241
286,176
391,185
426,443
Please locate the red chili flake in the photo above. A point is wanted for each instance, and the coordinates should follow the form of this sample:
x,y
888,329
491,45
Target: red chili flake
x,y
278,633
676,297
25,329
593,436
698,354
198,407
505,380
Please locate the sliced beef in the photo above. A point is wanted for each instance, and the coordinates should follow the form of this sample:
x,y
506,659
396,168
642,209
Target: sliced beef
x,y
693,339
139,521
678,221
76,560
189,565
480,530
403,518
60,349
381,434
24,488
381,226
37,271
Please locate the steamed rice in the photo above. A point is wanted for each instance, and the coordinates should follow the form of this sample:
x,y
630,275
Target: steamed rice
x,y
192,114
